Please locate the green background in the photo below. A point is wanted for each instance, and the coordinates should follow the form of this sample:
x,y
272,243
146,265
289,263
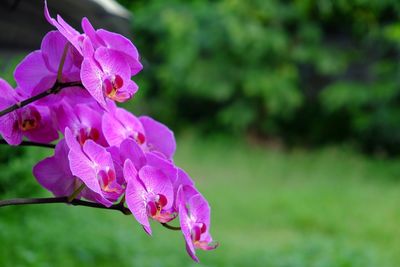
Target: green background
x,y
274,104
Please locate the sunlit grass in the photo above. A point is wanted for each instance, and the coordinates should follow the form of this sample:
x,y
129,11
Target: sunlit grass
x,y
329,207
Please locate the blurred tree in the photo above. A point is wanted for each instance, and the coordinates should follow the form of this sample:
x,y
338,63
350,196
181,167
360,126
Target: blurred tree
x,y
308,71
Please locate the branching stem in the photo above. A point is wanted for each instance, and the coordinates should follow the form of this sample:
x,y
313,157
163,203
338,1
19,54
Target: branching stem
x,y
62,62
75,202
50,200
55,89
29,143
170,227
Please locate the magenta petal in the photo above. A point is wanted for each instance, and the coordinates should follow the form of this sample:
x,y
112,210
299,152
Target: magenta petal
x,y
9,129
158,136
87,48
166,166
53,173
191,251
70,32
120,43
200,209
184,178
91,76
91,32
157,182
31,71
126,92
129,149
8,95
72,35
185,227
89,116
65,117
113,130
82,167
47,14
98,155
112,62
134,196
118,163
52,48
130,122
92,196
46,131
71,141
119,126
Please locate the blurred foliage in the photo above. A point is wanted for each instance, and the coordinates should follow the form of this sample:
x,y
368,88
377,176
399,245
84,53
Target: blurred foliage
x,y
269,209
308,71
16,178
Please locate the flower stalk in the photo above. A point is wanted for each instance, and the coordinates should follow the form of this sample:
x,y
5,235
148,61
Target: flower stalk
x,y
52,200
57,87
30,143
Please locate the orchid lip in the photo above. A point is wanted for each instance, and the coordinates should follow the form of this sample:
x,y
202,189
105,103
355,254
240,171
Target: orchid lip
x,y
108,181
85,134
111,86
155,209
29,119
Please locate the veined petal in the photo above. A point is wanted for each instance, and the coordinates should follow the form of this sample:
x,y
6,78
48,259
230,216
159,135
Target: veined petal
x,y
158,136
72,35
82,167
52,48
122,44
65,117
113,130
129,149
185,226
71,141
92,79
200,209
157,182
98,155
32,69
135,196
91,32
166,166
119,125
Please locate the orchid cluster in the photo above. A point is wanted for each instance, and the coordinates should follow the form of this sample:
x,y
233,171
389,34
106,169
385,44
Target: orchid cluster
x,y
66,92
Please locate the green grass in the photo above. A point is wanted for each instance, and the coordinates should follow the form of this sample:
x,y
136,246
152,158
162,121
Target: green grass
x,y
330,207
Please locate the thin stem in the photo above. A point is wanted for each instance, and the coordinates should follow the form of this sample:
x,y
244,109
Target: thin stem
x,y
55,89
61,66
29,143
50,200
75,202
170,227
76,193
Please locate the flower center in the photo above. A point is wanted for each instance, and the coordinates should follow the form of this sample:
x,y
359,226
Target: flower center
x,y
86,134
108,181
29,119
155,209
111,85
197,230
139,137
